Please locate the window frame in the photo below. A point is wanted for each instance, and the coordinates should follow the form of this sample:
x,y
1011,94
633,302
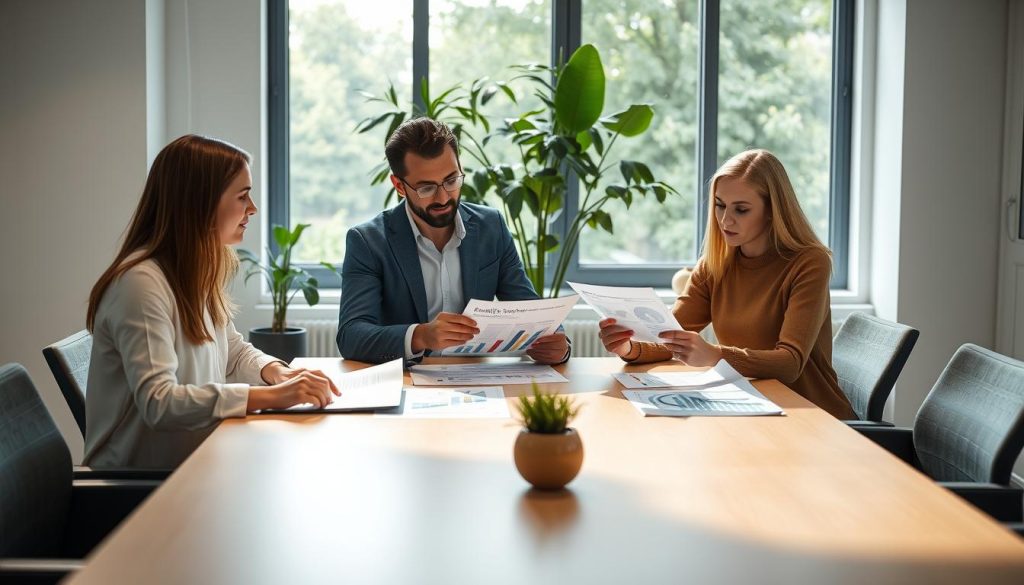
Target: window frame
x,y
566,32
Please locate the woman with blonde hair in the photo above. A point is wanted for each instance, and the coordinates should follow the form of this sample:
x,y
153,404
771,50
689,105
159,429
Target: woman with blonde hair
x,y
167,363
762,280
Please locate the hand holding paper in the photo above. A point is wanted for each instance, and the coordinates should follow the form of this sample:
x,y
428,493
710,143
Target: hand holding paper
x,y
637,309
446,330
511,327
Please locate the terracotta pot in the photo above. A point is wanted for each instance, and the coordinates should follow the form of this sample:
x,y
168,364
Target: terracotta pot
x,y
548,461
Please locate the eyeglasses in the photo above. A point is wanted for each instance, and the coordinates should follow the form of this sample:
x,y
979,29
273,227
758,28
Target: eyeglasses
x,y
427,191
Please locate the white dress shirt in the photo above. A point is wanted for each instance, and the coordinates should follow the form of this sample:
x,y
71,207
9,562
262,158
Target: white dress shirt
x,y
153,396
442,275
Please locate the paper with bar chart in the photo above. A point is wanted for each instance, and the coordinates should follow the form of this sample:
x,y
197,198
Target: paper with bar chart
x,y
638,308
510,327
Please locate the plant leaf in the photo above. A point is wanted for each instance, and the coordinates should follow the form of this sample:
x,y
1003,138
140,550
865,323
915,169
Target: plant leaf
x,y
632,121
282,236
579,94
310,291
297,232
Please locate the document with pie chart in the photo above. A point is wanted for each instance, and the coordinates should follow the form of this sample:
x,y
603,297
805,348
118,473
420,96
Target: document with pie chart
x,y
638,308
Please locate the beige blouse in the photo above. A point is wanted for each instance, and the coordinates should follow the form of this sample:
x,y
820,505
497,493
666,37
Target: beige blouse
x,y
153,396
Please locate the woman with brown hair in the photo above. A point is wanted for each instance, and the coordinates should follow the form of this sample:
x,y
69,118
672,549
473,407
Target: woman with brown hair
x,y
762,281
167,363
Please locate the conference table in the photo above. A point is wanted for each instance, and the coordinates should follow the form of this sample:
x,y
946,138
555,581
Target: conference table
x,y
358,498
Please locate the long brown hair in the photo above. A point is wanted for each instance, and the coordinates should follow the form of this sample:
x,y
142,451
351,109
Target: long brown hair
x,y
175,225
789,230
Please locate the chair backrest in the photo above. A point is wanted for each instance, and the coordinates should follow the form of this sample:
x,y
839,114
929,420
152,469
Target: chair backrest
x,y
35,471
971,425
868,355
69,361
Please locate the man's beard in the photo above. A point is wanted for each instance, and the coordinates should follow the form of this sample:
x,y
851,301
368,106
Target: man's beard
x,y
438,221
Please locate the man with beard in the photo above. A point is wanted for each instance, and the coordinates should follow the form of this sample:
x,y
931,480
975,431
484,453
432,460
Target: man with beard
x,y
409,272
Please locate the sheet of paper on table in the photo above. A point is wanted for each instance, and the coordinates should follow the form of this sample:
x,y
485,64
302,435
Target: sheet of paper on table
x,y
483,374
370,388
462,402
718,391
721,373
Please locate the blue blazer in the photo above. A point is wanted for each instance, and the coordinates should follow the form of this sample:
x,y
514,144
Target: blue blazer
x,y
382,290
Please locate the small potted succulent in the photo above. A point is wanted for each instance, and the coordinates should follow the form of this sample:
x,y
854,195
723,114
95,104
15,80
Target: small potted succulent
x,y
548,453
284,280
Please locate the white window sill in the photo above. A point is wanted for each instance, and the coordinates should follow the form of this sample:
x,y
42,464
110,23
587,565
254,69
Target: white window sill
x,y
844,302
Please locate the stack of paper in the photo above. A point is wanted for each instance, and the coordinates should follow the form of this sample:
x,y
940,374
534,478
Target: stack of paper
x,y
720,391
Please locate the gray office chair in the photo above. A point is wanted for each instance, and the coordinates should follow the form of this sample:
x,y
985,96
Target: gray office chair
x,y
868,355
969,431
69,361
49,520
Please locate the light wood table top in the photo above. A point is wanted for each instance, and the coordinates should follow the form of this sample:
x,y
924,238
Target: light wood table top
x,y
364,499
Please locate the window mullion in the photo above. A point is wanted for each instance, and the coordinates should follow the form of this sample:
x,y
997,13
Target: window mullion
x,y
420,49
566,37
707,113
278,135
842,130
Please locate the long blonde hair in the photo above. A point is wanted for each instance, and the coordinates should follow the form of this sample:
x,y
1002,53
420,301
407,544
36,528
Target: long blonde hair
x,y
175,225
789,230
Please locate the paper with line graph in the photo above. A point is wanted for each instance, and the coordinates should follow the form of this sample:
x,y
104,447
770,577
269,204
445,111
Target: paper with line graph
x,y
510,327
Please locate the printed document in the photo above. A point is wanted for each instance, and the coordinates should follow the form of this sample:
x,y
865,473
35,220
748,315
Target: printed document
x,y
720,391
720,374
370,388
510,327
640,309
484,374
475,402
728,400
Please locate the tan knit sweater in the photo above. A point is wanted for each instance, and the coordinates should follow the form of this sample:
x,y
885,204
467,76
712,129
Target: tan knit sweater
x,y
772,318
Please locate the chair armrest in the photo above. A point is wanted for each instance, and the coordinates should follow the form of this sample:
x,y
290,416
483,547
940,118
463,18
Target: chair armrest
x,y
1003,502
1016,527
83,472
37,571
97,507
897,440
868,423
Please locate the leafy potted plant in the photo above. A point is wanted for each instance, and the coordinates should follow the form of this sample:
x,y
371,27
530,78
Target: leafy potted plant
x,y
548,453
567,138
284,281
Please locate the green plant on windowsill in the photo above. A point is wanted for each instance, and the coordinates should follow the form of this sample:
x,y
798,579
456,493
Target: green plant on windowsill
x,y
546,413
282,277
567,138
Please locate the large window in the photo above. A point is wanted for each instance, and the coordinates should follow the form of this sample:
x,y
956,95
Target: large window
x,y
723,76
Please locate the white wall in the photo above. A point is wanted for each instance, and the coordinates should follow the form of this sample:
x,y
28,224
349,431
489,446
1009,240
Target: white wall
x,y
72,161
215,62
937,171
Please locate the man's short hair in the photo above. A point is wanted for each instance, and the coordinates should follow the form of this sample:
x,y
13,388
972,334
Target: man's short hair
x,y
422,136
